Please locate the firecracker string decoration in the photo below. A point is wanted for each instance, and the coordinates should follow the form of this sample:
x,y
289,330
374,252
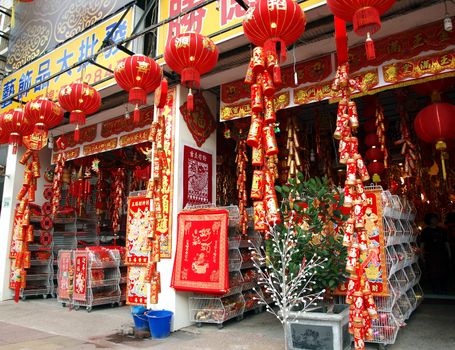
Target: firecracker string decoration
x,y
256,187
293,163
362,308
57,183
408,148
380,132
118,192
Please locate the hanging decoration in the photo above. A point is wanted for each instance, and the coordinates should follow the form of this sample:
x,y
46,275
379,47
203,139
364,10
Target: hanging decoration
x,y
434,124
257,186
80,100
43,114
293,162
273,26
362,307
365,16
57,183
118,186
191,55
15,126
139,75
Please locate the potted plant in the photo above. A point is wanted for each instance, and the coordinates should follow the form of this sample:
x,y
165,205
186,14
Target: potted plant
x,y
304,262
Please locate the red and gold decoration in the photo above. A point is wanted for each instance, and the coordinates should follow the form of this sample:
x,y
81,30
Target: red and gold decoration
x,y
408,148
434,124
118,191
14,125
43,114
65,274
191,55
241,160
201,260
57,183
365,16
121,124
362,308
80,275
139,75
272,26
293,162
197,176
80,100
200,120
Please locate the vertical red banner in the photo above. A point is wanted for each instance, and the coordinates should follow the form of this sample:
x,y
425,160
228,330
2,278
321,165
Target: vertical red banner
x,y
64,267
138,228
80,276
197,176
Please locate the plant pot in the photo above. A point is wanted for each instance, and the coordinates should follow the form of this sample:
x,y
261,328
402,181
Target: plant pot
x,y
318,330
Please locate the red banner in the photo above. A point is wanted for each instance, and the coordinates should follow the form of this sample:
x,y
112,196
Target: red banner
x,y
134,138
87,134
80,276
120,124
100,146
197,176
69,154
137,231
136,293
201,261
376,269
65,264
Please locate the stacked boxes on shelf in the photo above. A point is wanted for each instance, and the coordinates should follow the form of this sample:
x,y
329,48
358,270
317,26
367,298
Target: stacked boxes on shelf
x,y
405,294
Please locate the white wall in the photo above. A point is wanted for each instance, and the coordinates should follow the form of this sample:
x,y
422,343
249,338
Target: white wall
x,y
169,299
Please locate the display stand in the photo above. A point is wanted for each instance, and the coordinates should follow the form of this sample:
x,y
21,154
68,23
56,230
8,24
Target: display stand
x,y
405,294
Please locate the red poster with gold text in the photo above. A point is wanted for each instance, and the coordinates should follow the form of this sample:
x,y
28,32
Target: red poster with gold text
x,y
138,228
80,276
201,261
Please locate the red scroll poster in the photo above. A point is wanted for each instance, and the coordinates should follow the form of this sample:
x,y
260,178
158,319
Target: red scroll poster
x,y
376,269
138,229
80,275
197,176
136,293
64,267
201,261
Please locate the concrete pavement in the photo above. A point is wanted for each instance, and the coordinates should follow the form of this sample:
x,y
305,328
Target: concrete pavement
x,y
46,325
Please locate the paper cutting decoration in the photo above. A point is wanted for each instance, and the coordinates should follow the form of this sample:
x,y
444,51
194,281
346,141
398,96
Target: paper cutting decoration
x,y
197,176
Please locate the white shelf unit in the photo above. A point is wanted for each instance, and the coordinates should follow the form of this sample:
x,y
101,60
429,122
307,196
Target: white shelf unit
x,y
405,294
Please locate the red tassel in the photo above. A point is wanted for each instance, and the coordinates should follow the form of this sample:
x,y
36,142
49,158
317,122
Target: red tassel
x,y
277,75
17,291
369,48
190,101
77,134
40,129
136,115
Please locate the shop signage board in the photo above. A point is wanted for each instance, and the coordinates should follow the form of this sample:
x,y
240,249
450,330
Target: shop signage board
x,y
197,176
63,57
208,19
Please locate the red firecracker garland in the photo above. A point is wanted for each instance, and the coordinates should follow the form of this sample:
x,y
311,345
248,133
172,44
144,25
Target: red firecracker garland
x,y
118,186
257,186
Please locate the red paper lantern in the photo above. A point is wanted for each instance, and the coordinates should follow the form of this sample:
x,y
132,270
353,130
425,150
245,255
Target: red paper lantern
x,y
372,140
374,153
370,126
3,135
80,100
436,123
191,55
139,75
43,114
270,23
15,126
364,14
376,167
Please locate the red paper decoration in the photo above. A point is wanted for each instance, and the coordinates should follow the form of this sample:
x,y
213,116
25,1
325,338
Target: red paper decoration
x,y
139,75
364,14
80,100
271,23
43,114
15,126
46,223
191,55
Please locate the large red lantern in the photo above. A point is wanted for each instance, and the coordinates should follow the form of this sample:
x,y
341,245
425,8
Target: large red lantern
x,y
43,114
139,75
191,55
376,167
372,140
374,153
80,100
15,126
269,23
365,16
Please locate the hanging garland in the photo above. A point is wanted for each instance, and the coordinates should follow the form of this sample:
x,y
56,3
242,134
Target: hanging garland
x,y
241,160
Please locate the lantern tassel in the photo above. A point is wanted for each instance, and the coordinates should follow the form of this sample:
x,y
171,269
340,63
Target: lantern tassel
x,y
136,115
443,166
39,129
369,48
277,75
190,101
77,133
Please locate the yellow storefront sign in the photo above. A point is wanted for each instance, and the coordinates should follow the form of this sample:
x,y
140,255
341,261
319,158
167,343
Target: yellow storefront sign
x,y
76,50
208,19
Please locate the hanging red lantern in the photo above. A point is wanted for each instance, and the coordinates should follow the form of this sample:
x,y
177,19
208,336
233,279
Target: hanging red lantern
x,y
3,135
80,100
274,25
372,140
15,126
374,153
376,167
43,114
139,75
364,14
191,55
434,124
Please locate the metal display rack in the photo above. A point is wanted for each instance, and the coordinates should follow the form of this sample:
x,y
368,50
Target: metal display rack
x,y
240,297
405,293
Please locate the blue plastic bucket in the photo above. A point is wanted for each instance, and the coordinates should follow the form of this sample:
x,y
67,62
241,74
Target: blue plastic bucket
x,y
160,323
140,319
